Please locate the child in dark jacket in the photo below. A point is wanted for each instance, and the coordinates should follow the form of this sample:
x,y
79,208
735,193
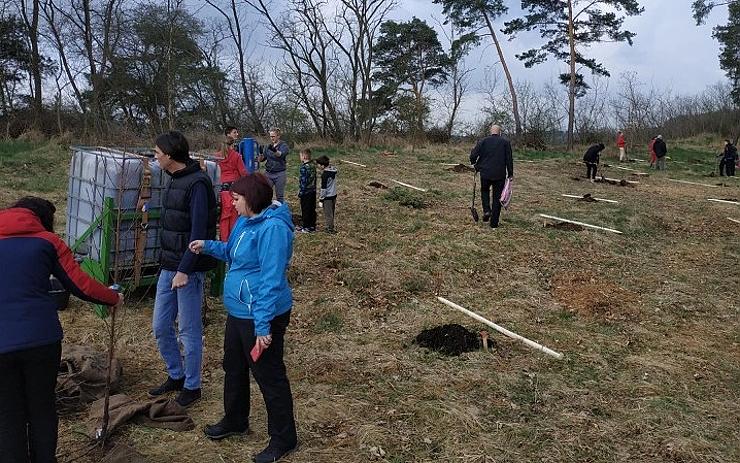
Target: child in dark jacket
x,y
328,193
307,191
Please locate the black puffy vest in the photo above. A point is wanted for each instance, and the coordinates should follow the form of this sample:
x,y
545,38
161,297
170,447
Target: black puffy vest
x,y
175,223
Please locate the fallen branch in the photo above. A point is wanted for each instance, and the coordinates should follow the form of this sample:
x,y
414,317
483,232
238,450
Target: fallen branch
x,y
722,201
691,183
501,330
409,186
595,199
353,163
552,217
733,220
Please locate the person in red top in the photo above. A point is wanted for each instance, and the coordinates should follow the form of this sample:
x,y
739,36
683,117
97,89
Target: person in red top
x,y
621,144
651,148
30,331
232,169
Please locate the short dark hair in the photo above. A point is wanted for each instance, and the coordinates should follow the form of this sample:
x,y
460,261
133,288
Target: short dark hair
x,y
228,129
42,208
256,189
322,160
174,144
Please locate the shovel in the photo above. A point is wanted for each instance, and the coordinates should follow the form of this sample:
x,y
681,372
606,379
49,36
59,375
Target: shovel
x,y
473,211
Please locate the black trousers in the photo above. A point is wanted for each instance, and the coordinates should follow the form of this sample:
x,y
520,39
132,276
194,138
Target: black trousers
x,y
497,186
308,210
269,373
28,416
730,168
591,170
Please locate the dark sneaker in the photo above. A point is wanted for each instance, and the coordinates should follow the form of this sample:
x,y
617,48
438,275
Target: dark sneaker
x,y
271,454
168,386
186,397
222,430
486,217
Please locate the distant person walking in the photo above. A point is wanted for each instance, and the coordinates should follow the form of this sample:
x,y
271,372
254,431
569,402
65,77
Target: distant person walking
x,y
493,159
274,155
591,159
621,145
661,150
729,159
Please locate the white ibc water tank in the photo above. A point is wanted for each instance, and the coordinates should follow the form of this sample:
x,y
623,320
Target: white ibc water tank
x,y
98,173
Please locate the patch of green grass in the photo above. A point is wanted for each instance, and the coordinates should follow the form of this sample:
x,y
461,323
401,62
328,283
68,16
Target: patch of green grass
x,y
406,198
330,322
533,155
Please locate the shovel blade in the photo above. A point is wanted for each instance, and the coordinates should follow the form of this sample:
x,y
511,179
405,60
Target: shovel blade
x,y
474,213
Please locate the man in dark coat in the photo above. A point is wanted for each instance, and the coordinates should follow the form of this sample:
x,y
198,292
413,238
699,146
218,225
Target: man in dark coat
x,y
660,152
492,158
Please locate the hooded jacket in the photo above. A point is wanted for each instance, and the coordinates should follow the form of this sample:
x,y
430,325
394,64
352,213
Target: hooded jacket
x,y
328,183
258,254
28,313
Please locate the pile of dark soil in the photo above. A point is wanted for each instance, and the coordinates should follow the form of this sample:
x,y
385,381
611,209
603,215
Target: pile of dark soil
x,y
564,226
451,339
587,198
377,184
461,168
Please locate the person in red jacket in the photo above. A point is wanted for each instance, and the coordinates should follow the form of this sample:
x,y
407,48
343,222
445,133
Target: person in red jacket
x,y
621,145
232,169
30,332
651,149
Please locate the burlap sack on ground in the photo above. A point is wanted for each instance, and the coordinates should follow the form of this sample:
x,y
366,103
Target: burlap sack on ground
x,y
158,413
81,377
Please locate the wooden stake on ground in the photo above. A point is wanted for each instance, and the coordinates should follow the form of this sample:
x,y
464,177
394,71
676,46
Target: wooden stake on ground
x,y
624,168
722,201
595,199
552,217
733,220
501,329
353,163
691,183
409,186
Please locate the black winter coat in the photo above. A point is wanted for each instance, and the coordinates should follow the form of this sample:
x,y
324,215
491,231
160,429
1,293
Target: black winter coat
x,y
660,148
492,158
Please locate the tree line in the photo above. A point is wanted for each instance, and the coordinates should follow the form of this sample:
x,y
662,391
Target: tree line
x,y
342,71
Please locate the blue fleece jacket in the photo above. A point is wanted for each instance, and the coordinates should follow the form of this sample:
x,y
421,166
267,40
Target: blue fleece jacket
x,y
258,253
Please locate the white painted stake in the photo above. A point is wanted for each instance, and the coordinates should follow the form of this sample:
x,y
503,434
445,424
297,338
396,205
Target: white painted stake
x,y
624,168
501,329
691,183
353,163
596,199
722,201
733,220
409,186
552,217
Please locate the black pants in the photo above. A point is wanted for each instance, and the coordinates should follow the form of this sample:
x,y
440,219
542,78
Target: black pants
x,y
730,168
269,373
308,210
28,416
591,170
485,190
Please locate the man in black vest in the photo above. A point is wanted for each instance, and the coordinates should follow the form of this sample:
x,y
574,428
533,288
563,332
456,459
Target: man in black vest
x,y
492,158
188,213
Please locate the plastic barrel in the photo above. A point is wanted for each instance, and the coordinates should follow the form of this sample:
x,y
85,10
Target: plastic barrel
x,y
248,150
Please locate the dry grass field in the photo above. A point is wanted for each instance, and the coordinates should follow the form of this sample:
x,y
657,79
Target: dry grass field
x,y
647,320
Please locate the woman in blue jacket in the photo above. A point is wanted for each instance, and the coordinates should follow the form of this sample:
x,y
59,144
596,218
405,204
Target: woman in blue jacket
x,y
258,301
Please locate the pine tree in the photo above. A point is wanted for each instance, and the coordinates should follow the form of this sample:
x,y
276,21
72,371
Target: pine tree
x,y
729,38
569,27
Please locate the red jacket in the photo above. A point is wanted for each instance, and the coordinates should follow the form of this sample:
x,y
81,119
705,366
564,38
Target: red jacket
x,y
620,140
28,313
232,167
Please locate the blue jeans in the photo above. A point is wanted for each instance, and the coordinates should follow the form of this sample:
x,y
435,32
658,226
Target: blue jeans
x,y
183,305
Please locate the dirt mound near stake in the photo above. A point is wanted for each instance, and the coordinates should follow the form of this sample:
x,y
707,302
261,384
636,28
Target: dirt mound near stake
x,y
451,339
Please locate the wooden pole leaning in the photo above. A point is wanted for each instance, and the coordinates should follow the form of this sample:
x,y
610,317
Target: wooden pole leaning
x,y
501,329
